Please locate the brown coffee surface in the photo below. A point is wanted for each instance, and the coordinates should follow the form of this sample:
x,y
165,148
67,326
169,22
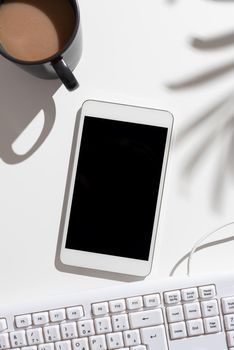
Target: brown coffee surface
x,y
32,30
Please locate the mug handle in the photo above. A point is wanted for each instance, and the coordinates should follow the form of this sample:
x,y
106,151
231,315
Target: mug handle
x,y
65,74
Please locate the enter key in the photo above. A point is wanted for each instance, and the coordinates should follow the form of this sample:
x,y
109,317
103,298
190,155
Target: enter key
x,y
154,338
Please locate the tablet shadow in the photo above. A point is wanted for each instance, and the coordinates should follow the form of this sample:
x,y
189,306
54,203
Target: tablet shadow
x,y
22,97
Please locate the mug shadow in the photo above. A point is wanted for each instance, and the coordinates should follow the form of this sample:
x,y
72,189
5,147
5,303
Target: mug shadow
x,y
22,97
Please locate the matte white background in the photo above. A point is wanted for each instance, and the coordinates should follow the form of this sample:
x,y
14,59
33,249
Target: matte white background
x,y
135,52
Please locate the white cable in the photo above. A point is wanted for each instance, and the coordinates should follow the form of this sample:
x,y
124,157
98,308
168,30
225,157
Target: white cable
x,y
198,243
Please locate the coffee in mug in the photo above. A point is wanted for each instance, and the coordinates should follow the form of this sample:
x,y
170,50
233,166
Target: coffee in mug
x,y
33,30
42,37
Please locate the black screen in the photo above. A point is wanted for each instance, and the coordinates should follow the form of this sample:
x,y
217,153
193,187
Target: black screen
x,y
116,188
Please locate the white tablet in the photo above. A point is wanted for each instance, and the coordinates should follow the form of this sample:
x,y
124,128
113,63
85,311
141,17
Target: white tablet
x,y
115,193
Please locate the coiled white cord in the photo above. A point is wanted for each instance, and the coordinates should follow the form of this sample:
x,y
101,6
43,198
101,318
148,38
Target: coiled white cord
x,y
198,246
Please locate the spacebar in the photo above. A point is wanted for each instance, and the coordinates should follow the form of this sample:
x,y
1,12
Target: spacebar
x,y
154,337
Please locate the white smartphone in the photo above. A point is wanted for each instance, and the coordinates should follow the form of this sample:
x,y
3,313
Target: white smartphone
x,y
113,206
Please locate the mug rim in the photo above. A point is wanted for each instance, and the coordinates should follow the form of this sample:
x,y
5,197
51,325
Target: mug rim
x,y
57,54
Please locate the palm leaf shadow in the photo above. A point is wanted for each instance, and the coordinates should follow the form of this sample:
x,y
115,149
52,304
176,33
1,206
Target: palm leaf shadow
x,y
221,117
203,77
216,113
214,43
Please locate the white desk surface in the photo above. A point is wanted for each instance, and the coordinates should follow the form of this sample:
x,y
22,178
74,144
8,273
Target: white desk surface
x,y
136,52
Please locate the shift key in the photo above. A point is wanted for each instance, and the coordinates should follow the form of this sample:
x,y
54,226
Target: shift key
x,y
146,318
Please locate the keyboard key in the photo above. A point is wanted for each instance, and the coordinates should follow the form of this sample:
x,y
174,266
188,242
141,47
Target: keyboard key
x,y
75,312
154,338
177,330
34,336
80,344
230,338
98,342
228,305
100,309
120,322
32,347
117,305
57,315
192,311
132,338
207,292
103,325
229,322
145,318
23,321
3,324
68,330
175,313
114,340
172,297
189,294
63,345
48,346
139,347
4,341
18,339
134,303
40,318
212,325
209,308
52,333
195,327
152,300
85,328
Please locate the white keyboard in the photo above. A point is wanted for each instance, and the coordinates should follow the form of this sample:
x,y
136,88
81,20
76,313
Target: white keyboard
x,y
175,314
